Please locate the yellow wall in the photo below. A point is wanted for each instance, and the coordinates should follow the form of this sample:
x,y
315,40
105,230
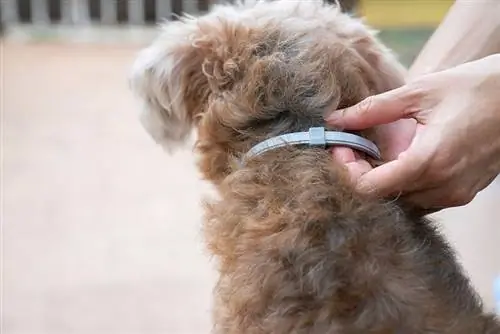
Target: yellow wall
x,y
404,13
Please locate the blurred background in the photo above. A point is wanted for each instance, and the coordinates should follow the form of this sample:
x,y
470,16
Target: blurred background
x,y
101,228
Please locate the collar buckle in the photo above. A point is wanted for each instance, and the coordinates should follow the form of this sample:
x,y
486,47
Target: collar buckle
x,y
317,137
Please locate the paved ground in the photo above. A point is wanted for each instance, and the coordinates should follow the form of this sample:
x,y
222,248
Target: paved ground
x,y
100,227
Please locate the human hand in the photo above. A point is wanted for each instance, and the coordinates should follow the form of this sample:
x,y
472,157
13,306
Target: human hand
x,y
455,149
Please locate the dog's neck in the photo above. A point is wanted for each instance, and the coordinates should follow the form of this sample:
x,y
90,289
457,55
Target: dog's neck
x,y
316,137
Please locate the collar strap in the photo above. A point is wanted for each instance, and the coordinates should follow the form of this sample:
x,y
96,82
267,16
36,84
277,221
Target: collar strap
x,y
317,137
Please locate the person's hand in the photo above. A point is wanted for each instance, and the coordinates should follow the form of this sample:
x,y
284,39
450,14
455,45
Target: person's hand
x,y
455,149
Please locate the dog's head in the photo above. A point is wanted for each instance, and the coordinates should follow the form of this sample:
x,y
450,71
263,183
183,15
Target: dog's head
x,y
247,72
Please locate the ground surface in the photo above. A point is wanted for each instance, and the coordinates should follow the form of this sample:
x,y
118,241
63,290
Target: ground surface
x,y
101,227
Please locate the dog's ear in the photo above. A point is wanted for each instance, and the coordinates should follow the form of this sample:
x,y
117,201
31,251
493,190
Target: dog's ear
x,y
168,79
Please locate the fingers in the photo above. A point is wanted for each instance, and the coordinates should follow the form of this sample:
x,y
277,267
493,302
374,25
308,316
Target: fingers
x,y
356,169
392,177
384,180
376,110
343,155
356,166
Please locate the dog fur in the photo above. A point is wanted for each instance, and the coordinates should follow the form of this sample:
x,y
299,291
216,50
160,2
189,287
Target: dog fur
x,y
298,250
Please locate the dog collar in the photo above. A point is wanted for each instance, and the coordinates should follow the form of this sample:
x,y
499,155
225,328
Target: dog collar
x,y
316,137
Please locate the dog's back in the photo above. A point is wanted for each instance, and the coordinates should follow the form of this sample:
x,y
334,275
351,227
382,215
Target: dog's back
x,y
301,253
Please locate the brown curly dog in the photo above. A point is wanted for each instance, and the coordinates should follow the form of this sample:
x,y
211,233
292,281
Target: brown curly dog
x,y
298,250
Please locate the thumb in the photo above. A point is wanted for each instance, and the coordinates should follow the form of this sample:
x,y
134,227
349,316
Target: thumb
x,y
376,110
395,176
385,180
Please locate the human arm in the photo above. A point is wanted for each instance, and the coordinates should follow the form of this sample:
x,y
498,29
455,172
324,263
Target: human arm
x,y
469,31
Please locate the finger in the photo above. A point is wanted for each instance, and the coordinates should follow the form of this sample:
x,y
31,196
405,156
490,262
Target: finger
x,y
357,169
342,154
355,165
376,110
391,178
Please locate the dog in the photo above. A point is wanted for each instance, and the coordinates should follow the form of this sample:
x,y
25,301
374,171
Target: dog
x,y
297,249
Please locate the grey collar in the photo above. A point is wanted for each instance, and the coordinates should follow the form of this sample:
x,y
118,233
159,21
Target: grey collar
x,y
316,137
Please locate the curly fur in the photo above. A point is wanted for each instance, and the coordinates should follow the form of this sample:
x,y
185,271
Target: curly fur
x,y
298,250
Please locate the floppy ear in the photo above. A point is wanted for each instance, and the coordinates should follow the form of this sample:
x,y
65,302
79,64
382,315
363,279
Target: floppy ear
x,y
168,78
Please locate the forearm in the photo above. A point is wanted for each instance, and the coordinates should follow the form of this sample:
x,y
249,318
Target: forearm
x,y
470,30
